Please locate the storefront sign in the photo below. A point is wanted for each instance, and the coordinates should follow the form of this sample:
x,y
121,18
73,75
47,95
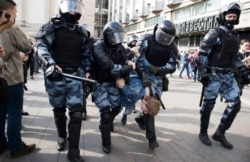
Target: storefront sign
x,y
197,25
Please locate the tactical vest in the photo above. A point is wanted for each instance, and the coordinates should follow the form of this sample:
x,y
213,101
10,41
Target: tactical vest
x,y
103,56
68,48
158,54
224,55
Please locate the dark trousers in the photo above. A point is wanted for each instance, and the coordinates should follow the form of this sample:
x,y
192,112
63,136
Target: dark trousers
x,y
13,108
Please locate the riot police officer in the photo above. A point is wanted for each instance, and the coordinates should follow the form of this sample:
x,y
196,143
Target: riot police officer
x,y
216,60
63,44
156,58
109,65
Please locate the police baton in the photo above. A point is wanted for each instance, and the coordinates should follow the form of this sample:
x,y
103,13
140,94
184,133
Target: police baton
x,y
159,98
202,95
90,81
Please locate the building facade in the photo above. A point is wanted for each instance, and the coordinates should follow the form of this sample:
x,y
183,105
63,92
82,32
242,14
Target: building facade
x,y
32,14
193,18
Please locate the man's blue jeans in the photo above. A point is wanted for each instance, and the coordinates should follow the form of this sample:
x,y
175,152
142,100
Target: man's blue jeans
x,y
13,108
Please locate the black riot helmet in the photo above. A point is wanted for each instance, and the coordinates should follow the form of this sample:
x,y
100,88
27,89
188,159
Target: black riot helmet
x,y
164,32
71,10
132,40
229,8
113,33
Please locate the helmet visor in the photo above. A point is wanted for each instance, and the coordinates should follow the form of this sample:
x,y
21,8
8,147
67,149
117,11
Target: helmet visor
x,y
71,6
163,38
116,38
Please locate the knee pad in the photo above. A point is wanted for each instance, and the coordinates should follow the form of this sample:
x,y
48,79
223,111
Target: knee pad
x,y
234,105
208,105
59,109
76,117
76,108
75,113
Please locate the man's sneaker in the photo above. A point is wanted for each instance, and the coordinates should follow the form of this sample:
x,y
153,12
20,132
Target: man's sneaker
x,y
23,151
205,139
140,122
223,141
124,119
153,144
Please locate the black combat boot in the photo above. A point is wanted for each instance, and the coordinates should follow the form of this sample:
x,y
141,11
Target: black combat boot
x,y
205,139
205,117
106,138
75,125
219,136
153,143
61,122
150,131
105,129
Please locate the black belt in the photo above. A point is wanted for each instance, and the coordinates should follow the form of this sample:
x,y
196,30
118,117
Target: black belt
x,y
219,71
69,70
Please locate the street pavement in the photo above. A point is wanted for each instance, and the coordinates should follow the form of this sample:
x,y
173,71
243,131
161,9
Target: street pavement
x,y
177,130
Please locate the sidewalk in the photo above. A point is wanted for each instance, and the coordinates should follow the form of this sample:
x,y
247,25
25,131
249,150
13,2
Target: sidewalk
x,y
177,130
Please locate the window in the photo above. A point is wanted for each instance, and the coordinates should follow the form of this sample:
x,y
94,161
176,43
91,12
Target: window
x,y
197,40
182,13
212,5
183,41
191,41
198,8
152,21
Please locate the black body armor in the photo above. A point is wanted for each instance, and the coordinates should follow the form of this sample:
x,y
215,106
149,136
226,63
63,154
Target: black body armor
x,y
65,52
224,55
104,60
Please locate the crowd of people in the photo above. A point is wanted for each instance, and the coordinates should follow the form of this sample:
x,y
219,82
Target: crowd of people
x,y
123,75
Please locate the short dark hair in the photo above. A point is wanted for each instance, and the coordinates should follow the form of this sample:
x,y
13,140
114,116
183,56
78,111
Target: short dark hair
x,y
7,4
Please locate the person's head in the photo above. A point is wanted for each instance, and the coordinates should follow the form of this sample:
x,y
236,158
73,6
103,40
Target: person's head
x,y
244,44
71,10
152,105
113,33
8,12
132,40
164,32
229,15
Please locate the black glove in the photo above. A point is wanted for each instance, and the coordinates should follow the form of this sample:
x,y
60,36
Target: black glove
x,y
245,79
163,71
52,74
153,69
126,69
145,81
203,76
80,72
165,83
122,73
